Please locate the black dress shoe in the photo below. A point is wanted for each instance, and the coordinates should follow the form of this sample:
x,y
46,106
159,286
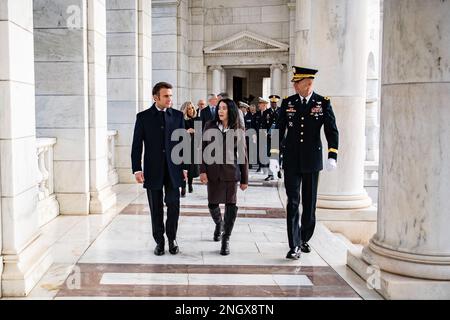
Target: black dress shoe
x,y
159,250
305,247
173,247
280,175
183,192
293,254
191,189
269,178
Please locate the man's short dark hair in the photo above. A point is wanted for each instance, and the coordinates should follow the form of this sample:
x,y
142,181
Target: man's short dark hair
x,y
161,85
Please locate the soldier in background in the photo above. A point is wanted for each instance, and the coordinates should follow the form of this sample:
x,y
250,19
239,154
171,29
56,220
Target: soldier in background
x,y
269,121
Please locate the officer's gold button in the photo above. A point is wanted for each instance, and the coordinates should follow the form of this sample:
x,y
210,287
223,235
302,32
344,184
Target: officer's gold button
x,y
301,133
301,140
303,125
303,118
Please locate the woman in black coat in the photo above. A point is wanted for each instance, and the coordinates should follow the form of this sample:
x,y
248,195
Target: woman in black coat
x,y
190,116
222,175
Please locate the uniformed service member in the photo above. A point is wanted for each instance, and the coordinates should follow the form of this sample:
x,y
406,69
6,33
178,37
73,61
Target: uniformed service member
x,y
245,108
301,118
260,127
268,123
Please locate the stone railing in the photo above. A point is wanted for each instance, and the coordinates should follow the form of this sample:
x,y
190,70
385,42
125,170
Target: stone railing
x,y
48,207
371,173
371,180
113,177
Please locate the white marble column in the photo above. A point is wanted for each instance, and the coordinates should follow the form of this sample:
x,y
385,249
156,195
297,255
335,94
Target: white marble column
x,y
275,78
102,196
413,237
333,39
302,31
169,61
223,80
216,79
373,83
25,254
70,62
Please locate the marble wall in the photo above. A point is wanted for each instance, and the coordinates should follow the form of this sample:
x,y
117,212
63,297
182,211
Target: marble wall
x,y
128,25
145,54
178,47
165,41
197,69
270,19
62,102
70,64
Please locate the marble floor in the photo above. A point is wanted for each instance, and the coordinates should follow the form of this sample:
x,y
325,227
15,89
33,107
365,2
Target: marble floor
x,y
110,256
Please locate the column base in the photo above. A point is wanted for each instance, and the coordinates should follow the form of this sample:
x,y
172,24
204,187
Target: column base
x,y
358,225
73,203
24,270
396,287
360,201
102,201
431,267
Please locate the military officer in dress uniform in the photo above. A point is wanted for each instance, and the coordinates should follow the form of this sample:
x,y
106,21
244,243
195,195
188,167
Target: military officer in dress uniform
x,y
245,108
268,123
302,116
259,125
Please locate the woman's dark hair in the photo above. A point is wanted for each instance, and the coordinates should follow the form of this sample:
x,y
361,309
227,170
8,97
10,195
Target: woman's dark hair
x,y
233,114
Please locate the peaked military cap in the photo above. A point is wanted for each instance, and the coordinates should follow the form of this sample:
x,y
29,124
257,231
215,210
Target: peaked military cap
x,y
274,98
262,100
303,73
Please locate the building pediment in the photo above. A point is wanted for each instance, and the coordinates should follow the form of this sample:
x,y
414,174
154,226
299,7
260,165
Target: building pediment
x,y
245,43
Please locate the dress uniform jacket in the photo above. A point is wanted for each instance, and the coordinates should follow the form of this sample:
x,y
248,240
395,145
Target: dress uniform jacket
x,y
268,119
248,119
302,125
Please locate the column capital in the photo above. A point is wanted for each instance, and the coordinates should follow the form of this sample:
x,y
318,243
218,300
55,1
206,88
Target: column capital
x,y
279,66
216,67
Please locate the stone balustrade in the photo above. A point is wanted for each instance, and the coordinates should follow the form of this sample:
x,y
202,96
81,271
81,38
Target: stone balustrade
x,y
113,177
48,207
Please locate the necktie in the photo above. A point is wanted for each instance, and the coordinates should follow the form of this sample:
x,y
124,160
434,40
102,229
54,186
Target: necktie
x,y
304,101
213,112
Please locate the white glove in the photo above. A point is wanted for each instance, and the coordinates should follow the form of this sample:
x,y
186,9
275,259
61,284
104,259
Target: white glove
x,y
274,166
331,164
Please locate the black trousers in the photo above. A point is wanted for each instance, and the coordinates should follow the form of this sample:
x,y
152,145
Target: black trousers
x,y
190,181
171,197
309,183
